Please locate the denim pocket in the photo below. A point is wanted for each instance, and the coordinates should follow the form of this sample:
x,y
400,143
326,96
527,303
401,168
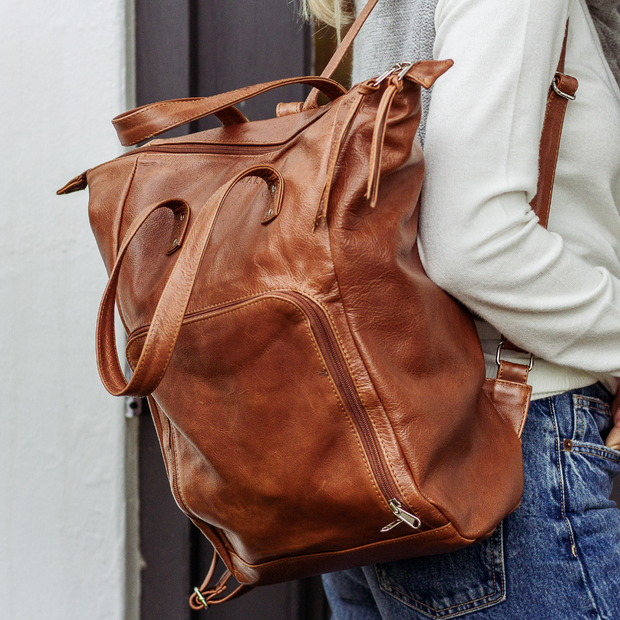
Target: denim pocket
x,y
593,421
452,584
589,465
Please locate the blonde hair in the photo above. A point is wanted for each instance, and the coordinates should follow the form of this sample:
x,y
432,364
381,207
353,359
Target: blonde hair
x,y
332,12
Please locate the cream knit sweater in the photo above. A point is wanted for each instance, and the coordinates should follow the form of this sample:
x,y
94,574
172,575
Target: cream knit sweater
x,y
554,292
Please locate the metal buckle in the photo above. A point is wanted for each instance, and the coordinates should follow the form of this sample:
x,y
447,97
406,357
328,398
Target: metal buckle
x,y
560,92
498,355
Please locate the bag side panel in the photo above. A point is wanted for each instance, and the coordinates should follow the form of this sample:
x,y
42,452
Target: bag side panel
x,y
421,348
109,186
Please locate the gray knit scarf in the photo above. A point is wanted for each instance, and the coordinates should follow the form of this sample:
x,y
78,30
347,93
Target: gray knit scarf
x,y
607,21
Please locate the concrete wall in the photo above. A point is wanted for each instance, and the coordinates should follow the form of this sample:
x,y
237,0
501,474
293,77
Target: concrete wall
x,y
62,508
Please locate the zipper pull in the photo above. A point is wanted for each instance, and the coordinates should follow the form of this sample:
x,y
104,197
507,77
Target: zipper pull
x,y
402,517
378,135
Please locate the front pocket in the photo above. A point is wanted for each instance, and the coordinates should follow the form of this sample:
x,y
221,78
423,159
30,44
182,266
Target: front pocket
x,y
592,417
269,446
589,465
452,584
593,421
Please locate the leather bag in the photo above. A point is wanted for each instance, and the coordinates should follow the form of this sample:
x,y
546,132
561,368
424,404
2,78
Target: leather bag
x,y
320,403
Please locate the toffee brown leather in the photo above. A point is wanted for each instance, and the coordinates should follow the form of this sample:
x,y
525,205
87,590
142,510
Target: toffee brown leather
x,y
301,368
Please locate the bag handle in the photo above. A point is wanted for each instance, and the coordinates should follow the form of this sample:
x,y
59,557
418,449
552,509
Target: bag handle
x,y
166,323
152,119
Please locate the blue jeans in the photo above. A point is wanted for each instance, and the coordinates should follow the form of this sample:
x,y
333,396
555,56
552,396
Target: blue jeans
x,y
557,557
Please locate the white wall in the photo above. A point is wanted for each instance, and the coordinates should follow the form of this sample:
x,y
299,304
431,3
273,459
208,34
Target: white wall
x,y
62,520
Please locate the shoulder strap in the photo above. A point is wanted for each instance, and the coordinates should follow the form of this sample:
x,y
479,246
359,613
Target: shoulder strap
x,y
562,90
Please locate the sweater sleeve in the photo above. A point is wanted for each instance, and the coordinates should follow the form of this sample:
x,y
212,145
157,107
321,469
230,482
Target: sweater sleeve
x,y
479,239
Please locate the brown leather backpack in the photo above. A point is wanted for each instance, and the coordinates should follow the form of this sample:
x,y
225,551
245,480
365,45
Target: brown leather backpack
x,y
320,403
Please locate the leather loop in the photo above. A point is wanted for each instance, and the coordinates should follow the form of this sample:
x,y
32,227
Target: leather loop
x,y
426,72
150,120
285,109
74,185
515,373
203,598
230,116
168,317
511,400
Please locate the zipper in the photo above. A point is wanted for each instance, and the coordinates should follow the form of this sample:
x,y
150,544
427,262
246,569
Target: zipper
x,y
210,149
190,316
337,367
222,148
400,68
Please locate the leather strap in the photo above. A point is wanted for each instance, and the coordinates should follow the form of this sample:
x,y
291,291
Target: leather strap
x,y
394,86
551,135
150,120
562,90
340,53
550,144
166,323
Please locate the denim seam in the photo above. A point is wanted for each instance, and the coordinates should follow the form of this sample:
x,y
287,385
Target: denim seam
x,y
591,402
579,424
416,603
591,597
561,478
579,450
563,505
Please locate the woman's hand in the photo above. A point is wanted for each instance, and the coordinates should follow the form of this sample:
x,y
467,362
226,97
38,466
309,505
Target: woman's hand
x,y
613,439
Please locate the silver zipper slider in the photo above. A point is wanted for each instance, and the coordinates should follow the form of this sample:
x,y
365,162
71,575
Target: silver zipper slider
x,y
401,68
404,68
402,516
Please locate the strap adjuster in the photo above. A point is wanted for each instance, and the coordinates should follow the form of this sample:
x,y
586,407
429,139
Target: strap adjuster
x,y
559,92
498,355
